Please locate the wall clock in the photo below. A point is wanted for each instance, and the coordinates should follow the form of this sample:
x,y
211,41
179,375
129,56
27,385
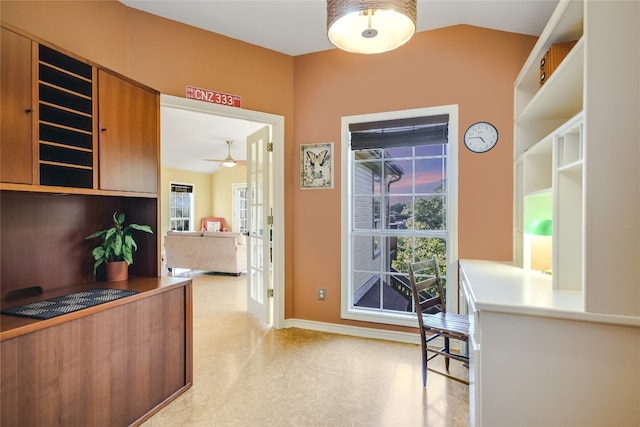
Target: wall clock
x,y
481,137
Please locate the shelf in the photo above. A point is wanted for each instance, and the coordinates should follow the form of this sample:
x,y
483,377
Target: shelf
x,y
59,78
65,175
571,167
548,147
570,145
546,190
53,189
63,117
554,104
56,134
65,120
568,229
63,98
566,24
561,95
64,62
537,167
65,155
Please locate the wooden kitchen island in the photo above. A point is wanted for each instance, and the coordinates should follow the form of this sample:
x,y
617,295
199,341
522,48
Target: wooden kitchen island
x,y
114,364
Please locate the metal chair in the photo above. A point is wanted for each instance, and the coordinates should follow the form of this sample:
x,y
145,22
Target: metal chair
x,y
433,319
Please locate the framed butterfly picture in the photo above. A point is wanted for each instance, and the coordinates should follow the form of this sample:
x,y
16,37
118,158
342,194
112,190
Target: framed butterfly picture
x,y
316,166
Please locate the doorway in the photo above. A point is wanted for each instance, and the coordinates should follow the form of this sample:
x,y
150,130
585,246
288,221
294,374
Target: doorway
x,y
276,123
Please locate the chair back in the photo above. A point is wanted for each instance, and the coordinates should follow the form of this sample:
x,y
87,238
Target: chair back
x,y
426,286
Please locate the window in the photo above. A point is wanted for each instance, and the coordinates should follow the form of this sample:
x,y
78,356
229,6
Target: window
x,y
240,212
181,208
398,197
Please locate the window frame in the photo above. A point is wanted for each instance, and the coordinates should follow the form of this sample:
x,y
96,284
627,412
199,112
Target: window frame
x,y
348,311
240,225
192,223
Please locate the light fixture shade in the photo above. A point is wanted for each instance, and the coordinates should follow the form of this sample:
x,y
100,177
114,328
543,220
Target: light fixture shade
x,y
367,26
229,163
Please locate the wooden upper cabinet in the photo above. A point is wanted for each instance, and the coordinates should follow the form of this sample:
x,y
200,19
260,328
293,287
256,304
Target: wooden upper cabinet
x,y
128,135
16,150
66,122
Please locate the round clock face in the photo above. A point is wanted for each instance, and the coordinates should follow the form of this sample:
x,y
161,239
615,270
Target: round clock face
x,y
481,137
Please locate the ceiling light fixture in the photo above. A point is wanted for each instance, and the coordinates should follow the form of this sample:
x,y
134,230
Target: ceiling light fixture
x,y
368,26
229,162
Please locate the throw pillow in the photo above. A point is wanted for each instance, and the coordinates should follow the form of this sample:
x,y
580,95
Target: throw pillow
x,y
213,225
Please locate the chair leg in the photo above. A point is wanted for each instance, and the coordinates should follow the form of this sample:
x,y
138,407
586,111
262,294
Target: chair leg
x,y
424,366
446,358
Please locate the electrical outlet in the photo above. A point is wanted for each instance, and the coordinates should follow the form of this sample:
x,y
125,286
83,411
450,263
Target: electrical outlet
x,y
322,294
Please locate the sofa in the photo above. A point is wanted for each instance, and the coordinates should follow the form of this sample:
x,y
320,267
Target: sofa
x,y
221,252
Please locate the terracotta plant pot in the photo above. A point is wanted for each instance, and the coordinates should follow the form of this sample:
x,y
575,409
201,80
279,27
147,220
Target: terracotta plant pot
x,y
117,271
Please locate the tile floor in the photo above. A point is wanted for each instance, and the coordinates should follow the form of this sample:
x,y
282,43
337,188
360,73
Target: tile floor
x,y
246,374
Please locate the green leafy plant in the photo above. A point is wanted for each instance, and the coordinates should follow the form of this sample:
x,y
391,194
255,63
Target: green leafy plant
x,y
117,242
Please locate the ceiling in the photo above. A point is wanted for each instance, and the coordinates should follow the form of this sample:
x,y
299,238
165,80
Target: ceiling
x,y
188,137
297,27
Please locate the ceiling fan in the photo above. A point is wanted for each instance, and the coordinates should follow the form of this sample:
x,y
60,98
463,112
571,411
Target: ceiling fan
x,y
229,162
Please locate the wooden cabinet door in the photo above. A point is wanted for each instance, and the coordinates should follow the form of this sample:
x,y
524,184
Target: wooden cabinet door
x,y
128,135
16,148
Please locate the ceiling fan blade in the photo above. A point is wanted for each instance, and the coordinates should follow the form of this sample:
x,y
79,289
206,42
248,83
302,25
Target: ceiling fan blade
x,y
229,158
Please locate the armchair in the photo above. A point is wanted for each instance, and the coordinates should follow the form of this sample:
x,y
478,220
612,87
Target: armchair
x,y
211,223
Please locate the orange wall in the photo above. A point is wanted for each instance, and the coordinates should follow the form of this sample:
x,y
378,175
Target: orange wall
x,y
472,67
469,66
166,56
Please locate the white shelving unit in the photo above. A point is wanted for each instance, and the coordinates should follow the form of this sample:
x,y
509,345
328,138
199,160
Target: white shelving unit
x,y
577,153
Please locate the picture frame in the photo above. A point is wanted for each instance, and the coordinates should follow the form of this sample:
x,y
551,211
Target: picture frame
x,y
316,166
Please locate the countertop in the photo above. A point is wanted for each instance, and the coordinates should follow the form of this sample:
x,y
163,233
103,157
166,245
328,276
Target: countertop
x,y
502,287
12,326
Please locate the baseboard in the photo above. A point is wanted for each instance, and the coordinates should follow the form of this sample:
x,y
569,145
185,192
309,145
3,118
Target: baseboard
x,y
357,331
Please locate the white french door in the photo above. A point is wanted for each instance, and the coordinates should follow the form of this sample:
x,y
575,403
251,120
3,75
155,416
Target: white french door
x,y
259,270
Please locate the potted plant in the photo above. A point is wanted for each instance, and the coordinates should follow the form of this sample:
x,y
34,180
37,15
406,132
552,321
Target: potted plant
x,y
117,247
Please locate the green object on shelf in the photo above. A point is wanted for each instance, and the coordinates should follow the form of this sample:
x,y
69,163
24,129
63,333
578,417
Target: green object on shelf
x,y
539,227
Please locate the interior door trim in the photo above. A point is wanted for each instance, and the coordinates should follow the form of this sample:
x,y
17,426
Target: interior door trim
x,y
277,133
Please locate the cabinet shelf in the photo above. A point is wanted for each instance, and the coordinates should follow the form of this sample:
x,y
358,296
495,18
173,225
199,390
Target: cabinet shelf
x,y
65,120
65,165
64,62
555,103
566,24
546,190
548,146
557,97
66,99
65,175
63,109
71,82
52,189
61,127
574,166
70,147
65,155
537,168
59,116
